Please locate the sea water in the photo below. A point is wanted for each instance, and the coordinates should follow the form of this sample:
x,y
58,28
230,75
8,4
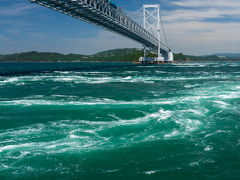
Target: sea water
x,y
105,121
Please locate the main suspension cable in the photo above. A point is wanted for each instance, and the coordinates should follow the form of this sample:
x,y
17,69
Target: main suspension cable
x,y
164,34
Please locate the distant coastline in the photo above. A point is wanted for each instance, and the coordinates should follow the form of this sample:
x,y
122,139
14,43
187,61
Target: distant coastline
x,y
116,55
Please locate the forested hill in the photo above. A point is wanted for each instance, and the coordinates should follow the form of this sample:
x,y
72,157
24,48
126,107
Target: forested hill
x,y
111,55
127,54
40,56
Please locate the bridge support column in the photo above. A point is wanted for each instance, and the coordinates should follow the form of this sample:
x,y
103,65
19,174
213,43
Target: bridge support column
x,y
170,56
144,51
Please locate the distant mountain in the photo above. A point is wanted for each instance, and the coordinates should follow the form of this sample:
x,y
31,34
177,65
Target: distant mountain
x,y
127,54
111,55
40,56
229,55
119,52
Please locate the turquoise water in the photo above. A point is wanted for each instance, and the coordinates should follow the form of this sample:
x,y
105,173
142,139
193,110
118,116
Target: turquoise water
x,y
172,121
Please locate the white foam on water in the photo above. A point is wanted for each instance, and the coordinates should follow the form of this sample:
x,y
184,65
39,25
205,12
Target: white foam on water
x,y
20,84
14,147
64,79
59,145
234,65
11,80
22,80
5,166
26,131
114,116
92,72
192,125
73,73
191,64
160,115
111,170
79,102
191,86
72,136
161,72
89,138
188,125
128,77
163,115
60,96
83,135
22,155
196,98
80,132
229,96
165,102
208,148
100,80
64,72
30,102
150,172
194,164
106,79
216,132
222,104
193,111
174,133
131,72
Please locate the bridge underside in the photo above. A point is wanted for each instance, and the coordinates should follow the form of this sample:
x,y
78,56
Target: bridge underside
x,y
102,14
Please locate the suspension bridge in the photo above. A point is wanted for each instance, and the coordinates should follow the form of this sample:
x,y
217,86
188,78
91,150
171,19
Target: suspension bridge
x,y
107,15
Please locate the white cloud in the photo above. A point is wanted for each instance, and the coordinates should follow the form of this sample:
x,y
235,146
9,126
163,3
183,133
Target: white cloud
x,y
208,3
204,10
191,31
198,38
200,14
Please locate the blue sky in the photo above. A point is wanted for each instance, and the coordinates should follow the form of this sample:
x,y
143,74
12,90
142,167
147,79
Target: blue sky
x,y
193,27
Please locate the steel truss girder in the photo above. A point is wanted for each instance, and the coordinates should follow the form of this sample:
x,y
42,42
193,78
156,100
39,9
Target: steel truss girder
x,y
102,14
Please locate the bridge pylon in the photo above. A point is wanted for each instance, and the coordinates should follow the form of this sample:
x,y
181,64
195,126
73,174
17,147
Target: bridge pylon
x,y
151,22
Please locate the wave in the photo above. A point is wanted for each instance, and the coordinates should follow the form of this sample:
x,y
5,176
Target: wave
x,y
23,80
83,135
89,102
198,94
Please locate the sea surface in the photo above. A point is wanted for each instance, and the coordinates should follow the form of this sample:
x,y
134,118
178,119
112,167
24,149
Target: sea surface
x,y
120,121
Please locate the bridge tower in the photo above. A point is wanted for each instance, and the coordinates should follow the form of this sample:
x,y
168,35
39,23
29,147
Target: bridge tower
x,y
151,22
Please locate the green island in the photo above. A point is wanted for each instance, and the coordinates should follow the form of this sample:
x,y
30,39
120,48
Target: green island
x,y
119,55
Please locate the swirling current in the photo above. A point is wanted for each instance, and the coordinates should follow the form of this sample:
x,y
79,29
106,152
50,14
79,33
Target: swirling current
x,y
170,121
